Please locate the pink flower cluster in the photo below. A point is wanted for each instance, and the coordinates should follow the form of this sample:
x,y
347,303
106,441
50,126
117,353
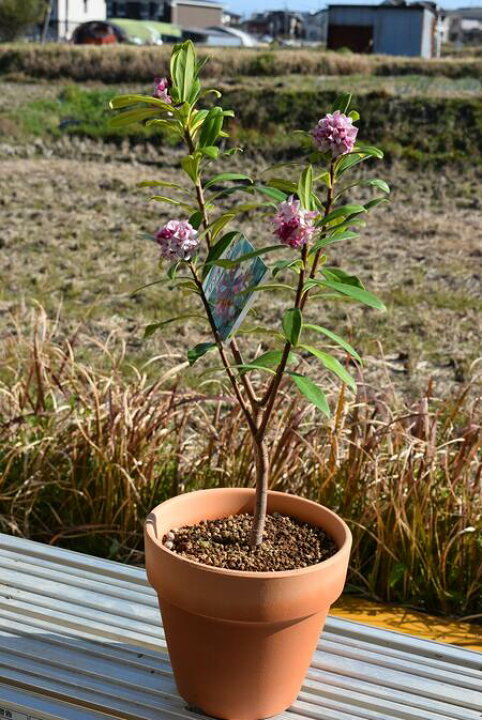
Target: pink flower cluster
x,y
161,86
335,133
178,240
293,225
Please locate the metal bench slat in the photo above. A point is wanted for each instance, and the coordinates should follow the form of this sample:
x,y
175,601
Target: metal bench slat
x,y
86,635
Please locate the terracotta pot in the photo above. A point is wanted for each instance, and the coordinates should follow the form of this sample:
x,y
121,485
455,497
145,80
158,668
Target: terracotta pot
x,y
240,643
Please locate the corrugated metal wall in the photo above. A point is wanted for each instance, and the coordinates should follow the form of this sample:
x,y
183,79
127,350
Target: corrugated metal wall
x,y
398,31
351,15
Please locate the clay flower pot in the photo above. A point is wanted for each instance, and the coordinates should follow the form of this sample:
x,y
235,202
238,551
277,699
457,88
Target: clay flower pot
x,y
240,643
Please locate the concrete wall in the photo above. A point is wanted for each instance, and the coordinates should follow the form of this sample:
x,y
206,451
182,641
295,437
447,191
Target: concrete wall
x,y
193,15
398,31
68,14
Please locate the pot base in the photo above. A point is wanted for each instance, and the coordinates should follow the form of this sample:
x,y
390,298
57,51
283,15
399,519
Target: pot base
x,y
269,660
240,642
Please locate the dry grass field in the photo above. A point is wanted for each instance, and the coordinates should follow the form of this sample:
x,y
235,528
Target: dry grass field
x,y
71,239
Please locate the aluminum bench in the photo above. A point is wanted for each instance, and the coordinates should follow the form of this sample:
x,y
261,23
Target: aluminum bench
x,y
81,639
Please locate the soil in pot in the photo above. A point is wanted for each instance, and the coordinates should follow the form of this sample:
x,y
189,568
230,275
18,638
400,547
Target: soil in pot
x,y
288,544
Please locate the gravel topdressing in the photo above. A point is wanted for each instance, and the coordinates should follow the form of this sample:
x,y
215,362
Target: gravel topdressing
x,y
288,544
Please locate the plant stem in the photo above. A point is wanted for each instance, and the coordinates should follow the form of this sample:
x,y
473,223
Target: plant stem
x,y
329,203
261,501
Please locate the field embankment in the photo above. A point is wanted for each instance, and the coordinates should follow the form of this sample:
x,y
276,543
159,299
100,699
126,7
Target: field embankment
x,y
120,64
430,122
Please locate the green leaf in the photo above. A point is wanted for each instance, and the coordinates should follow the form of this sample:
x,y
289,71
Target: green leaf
x,y
324,178
376,201
348,161
292,323
305,188
272,357
217,225
197,120
199,350
281,265
222,177
184,69
212,125
196,219
336,338
151,329
264,287
356,293
271,192
354,115
377,182
342,102
131,116
122,101
311,392
370,150
247,256
332,364
190,165
172,270
159,183
339,275
219,248
247,367
342,212
211,151
171,201
211,91
331,239
286,186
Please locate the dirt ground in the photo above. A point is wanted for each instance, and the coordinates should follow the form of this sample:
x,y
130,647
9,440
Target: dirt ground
x,y
71,238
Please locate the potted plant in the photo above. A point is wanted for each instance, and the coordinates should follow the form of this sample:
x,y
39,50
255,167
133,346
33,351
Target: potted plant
x,y
245,577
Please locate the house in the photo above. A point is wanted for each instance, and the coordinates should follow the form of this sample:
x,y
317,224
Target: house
x,y
186,13
276,24
315,26
392,28
466,26
232,19
66,15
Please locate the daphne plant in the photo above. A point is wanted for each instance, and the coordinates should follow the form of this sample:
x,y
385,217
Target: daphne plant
x,y
308,215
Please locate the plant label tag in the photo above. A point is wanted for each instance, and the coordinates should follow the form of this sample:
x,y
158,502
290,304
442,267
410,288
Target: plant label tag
x,y
230,286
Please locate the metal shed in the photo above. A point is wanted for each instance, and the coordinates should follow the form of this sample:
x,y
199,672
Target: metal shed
x,y
389,29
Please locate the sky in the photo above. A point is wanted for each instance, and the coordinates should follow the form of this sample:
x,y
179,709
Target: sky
x,y
246,7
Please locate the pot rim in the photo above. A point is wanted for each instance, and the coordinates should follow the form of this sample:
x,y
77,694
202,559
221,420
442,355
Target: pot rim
x,y
262,575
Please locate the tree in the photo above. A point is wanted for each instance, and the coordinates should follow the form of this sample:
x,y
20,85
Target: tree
x,y
17,15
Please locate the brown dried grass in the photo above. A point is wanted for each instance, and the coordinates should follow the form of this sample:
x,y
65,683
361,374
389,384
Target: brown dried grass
x,y
86,451
119,64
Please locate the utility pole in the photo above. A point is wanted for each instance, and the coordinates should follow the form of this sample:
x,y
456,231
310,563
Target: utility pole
x,y
48,13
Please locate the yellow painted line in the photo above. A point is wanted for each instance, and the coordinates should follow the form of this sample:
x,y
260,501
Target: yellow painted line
x,y
409,621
